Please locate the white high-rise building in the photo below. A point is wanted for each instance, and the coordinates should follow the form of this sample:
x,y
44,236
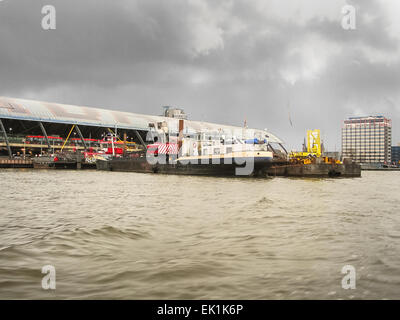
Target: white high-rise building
x,y
367,139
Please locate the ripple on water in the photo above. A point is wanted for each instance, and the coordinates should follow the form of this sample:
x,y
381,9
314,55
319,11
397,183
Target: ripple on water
x,y
118,235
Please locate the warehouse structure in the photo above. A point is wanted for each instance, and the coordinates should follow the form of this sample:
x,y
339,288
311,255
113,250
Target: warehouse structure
x,y
24,121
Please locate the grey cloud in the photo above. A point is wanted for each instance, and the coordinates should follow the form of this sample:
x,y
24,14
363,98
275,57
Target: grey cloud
x,y
222,61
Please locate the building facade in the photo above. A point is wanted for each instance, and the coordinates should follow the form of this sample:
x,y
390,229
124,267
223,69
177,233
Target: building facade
x,y
396,154
367,139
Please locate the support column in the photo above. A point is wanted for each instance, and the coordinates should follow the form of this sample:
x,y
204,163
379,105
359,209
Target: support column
x,y
180,137
45,135
283,148
140,139
272,148
81,136
125,146
6,137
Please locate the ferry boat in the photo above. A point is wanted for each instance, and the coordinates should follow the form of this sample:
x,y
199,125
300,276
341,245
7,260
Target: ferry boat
x,y
209,158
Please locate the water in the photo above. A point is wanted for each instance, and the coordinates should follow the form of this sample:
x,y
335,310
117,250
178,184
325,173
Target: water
x,y
144,236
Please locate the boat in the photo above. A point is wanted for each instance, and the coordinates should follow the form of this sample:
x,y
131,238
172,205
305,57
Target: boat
x,y
210,158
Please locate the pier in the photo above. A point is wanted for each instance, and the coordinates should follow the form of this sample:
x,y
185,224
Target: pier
x,y
15,163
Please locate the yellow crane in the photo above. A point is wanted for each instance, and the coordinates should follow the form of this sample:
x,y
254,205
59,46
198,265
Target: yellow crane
x,y
314,142
314,150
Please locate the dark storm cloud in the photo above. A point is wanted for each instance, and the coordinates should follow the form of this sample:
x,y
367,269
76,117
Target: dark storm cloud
x,y
223,61
94,41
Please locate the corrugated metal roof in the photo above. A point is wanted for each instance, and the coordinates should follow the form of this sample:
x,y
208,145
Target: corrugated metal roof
x,y
21,109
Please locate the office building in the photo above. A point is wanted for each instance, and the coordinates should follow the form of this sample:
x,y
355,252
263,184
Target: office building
x,y
367,139
396,154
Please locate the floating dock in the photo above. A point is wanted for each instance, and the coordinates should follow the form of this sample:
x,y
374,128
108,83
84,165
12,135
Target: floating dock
x,y
273,168
316,170
16,163
74,161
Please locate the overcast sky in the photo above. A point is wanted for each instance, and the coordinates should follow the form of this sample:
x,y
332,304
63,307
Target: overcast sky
x,y
222,61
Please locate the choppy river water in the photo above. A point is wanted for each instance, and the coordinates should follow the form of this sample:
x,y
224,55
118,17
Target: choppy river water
x,y
144,236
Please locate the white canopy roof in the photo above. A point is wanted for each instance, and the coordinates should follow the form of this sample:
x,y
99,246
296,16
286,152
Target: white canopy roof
x,y
20,109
